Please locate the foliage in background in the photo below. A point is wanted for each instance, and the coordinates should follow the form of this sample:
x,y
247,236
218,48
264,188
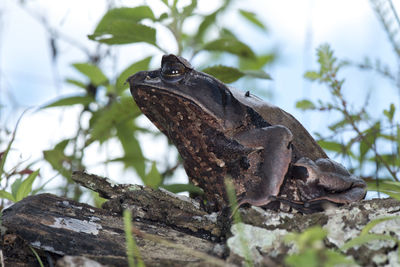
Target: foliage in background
x,y
311,250
19,178
357,135
114,116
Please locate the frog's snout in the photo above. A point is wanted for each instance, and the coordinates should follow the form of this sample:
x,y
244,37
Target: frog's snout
x,y
143,78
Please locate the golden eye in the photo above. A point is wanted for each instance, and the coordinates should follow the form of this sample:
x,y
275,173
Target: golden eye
x,y
172,70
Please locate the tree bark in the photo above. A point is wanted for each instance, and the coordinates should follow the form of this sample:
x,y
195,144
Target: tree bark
x,y
176,231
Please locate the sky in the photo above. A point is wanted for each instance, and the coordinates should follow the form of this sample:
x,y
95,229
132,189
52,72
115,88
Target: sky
x,y
28,77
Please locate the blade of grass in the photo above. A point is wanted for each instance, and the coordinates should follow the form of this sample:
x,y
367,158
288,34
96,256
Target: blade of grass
x,y
132,251
230,190
361,240
372,224
37,256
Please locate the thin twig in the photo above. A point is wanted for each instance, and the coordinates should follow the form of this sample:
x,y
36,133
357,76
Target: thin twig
x,y
394,12
358,131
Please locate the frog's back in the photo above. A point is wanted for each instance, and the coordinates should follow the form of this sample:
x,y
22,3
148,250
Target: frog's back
x,y
305,145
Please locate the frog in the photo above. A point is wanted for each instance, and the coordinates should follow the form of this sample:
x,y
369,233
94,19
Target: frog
x,y
224,133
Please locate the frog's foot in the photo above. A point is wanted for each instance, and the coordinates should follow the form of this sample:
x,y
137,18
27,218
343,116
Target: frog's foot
x,y
329,181
259,202
255,202
306,207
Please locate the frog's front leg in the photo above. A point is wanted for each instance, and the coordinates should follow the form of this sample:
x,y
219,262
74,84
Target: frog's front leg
x,y
274,143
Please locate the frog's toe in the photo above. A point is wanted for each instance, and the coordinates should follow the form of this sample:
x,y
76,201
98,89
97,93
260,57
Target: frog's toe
x,y
259,202
352,195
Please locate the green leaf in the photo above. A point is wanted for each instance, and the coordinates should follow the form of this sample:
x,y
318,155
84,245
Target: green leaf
x,y
339,124
366,238
70,101
123,32
132,69
132,14
58,159
312,75
333,258
251,17
62,145
14,187
178,188
76,83
370,136
375,222
256,63
133,156
188,10
230,45
97,199
387,187
26,186
104,121
230,74
305,104
165,2
163,16
326,58
226,33
257,74
127,14
95,75
307,259
390,112
7,195
331,146
121,26
153,177
207,21
224,73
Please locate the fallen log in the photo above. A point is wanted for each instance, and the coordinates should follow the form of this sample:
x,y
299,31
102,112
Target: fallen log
x,y
175,230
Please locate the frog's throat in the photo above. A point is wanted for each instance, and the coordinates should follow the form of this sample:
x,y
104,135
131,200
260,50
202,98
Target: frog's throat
x,y
149,89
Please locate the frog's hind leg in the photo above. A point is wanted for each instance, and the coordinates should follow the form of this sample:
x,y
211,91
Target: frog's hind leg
x,y
275,145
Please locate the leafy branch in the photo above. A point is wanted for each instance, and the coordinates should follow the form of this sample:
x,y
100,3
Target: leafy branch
x,y
366,138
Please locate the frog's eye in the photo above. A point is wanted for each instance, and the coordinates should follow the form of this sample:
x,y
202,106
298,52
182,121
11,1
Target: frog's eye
x,y
172,71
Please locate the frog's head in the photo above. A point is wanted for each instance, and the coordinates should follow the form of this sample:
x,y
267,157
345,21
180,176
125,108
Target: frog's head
x,y
176,89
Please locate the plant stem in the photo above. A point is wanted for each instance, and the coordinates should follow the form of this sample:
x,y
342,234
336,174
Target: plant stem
x,y
337,88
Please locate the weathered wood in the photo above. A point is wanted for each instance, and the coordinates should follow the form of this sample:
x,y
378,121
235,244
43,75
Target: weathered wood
x,y
175,230
64,227
155,205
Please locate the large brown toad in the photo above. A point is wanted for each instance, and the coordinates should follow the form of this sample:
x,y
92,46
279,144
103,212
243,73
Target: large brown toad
x,y
222,132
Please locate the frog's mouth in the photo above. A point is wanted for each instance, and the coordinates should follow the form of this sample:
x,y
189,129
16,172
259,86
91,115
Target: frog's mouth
x,y
148,89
